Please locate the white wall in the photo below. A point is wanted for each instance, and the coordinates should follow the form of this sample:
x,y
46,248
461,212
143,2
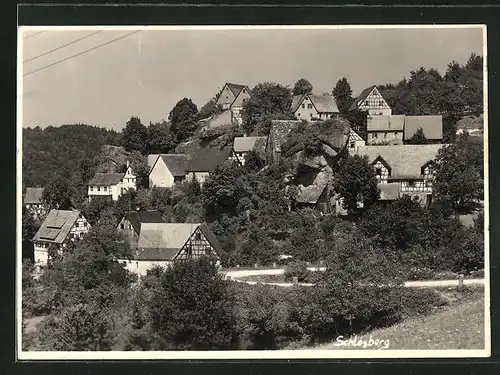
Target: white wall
x,y
160,176
140,267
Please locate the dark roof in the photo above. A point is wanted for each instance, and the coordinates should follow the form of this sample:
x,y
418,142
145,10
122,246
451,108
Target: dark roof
x,y
279,131
163,241
56,226
207,159
176,163
245,144
33,196
136,218
432,126
235,88
361,97
106,179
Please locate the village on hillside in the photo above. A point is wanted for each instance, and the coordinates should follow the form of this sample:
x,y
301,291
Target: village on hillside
x,y
261,189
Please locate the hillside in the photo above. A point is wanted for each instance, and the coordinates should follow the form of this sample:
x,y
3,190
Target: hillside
x,y
54,150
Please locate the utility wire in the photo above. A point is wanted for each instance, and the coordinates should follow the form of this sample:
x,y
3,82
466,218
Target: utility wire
x,y
64,45
81,53
35,34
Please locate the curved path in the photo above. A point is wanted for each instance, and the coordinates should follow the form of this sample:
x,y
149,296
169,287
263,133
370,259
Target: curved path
x,y
236,275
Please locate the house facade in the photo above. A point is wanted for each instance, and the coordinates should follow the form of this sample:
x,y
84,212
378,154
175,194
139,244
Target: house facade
x,y
58,229
355,141
204,161
385,129
129,227
111,185
168,170
311,107
371,101
232,97
403,170
162,244
33,202
243,145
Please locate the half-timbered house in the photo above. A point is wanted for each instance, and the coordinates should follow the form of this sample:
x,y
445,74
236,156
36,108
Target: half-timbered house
x,y
161,244
58,229
410,167
371,101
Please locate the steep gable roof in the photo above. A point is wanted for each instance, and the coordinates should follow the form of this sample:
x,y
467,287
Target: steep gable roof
x,y
245,144
353,136
163,241
324,103
176,163
405,161
297,101
236,88
33,195
207,159
56,226
105,179
432,126
385,123
361,98
137,218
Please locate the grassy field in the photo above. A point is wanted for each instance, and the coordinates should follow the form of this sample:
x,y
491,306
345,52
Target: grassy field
x,y
460,325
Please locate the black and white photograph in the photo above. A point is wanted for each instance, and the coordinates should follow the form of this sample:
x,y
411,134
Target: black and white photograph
x,y
252,192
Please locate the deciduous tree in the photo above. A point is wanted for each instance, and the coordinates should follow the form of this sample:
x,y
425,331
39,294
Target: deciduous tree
x,y
356,183
302,86
418,138
342,93
134,135
184,119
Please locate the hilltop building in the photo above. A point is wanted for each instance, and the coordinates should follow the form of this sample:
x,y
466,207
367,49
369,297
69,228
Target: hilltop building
x,y
371,101
311,107
111,185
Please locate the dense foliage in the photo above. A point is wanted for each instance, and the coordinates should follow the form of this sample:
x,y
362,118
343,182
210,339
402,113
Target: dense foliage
x,y
268,101
302,86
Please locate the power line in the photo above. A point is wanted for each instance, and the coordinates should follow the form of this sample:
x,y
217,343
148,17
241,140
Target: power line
x,y
64,45
35,34
81,53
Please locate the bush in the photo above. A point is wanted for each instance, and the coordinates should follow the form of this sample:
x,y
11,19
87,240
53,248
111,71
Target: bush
x,y
297,269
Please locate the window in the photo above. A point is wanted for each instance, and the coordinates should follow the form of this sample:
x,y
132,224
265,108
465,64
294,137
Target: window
x,y
380,103
352,144
395,134
374,135
411,184
122,226
91,188
105,188
367,102
298,114
385,134
77,224
310,115
303,105
85,224
130,226
98,188
309,106
197,236
208,250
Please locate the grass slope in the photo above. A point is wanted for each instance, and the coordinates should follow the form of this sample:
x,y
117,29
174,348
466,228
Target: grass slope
x,y
460,326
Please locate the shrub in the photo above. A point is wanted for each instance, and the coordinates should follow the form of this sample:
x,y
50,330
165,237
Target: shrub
x,y
297,269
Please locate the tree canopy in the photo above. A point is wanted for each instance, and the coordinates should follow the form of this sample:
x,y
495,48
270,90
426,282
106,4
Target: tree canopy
x,y
134,135
184,119
268,101
356,183
302,86
342,93
459,174
418,138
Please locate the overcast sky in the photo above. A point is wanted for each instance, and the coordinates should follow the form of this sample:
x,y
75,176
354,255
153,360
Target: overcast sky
x,y
146,73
